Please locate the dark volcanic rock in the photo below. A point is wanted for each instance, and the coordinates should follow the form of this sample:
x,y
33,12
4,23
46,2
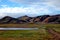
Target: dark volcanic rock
x,y
58,21
5,19
21,21
26,19
44,17
40,18
11,20
52,19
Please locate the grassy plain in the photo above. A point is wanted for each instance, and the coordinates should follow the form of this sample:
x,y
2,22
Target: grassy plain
x,y
40,34
28,25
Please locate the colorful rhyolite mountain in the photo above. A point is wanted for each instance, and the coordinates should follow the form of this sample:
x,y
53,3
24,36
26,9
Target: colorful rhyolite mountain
x,y
26,19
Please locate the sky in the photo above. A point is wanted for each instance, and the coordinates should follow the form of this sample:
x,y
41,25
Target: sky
x,y
17,8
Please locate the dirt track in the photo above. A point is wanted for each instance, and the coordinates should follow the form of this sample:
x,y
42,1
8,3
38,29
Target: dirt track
x,y
56,36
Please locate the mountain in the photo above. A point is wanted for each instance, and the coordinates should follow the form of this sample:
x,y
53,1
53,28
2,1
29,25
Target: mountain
x,y
12,20
41,18
26,19
52,19
5,19
23,17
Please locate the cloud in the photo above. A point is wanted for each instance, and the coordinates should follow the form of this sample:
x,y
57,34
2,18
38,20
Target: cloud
x,y
4,6
36,1
2,15
34,8
27,1
13,10
51,3
41,7
20,11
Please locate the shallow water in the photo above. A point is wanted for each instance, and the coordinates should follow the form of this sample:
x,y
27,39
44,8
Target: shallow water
x,y
18,28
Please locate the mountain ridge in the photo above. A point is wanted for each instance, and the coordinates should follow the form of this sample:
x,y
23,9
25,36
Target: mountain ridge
x,y
27,19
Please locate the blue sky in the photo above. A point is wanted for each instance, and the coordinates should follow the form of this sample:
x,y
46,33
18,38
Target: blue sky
x,y
16,8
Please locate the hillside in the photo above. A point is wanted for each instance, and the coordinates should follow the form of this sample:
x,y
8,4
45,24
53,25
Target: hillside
x,y
25,19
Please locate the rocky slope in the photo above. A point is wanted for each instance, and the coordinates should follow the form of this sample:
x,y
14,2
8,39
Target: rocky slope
x,y
26,19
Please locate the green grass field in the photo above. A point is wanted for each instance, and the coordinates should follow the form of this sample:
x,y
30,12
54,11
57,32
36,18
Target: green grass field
x,y
29,25
24,34
40,34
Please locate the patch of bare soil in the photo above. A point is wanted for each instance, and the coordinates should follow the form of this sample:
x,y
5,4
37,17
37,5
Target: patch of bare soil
x,y
55,35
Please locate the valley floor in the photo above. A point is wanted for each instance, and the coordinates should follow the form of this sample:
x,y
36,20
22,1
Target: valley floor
x,y
45,32
28,25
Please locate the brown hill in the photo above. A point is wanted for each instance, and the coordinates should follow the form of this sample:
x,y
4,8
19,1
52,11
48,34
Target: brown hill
x,y
26,19
8,19
52,19
5,19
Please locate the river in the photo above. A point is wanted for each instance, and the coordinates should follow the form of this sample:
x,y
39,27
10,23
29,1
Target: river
x,y
18,28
